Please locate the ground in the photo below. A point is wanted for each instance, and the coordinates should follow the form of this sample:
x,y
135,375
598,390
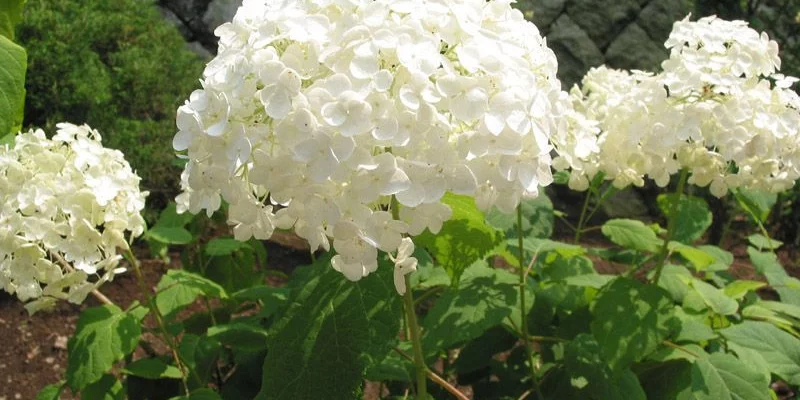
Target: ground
x,y
34,353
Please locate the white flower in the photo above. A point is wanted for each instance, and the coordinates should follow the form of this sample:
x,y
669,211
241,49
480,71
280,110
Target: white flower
x,y
314,114
65,200
404,264
713,111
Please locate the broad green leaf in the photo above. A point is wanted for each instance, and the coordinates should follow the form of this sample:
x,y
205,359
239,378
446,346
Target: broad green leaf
x,y
722,377
722,258
694,217
788,287
590,374
762,242
331,332
240,335
104,335
693,328
537,218
715,298
179,288
689,352
630,321
790,310
699,258
554,290
152,368
169,235
779,349
589,280
224,246
756,203
675,280
463,239
200,394
478,353
13,65
669,380
631,234
758,312
107,388
427,275
169,217
739,288
541,246
51,391
485,297
10,16
200,353
235,271
270,298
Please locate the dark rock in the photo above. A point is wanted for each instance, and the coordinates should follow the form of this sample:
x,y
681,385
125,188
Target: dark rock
x,y
633,49
602,20
575,50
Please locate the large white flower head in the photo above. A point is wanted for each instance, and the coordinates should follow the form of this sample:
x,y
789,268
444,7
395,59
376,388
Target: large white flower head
x,y
718,109
328,108
67,203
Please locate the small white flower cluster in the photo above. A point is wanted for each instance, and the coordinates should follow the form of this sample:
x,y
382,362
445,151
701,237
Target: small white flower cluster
x,y
328,108
65,205
718,109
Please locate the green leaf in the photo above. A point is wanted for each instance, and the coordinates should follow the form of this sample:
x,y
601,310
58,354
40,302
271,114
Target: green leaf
x,y
739,288
722,376
331,332
104,335
722,258
107,388
485,297
764,243
715,298
630,321
200,394
478,353
200,353
693,219
537,218
692,328
631,234
152,368
584,363
169,217
780,350
699,258
788,287
169,235
428,275
179,288
51,391
10,16
463,239
240,335
13,65
756,203
224,246
271,298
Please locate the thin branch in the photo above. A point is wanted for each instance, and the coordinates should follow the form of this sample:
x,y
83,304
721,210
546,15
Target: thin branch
x,y
436,378
96,293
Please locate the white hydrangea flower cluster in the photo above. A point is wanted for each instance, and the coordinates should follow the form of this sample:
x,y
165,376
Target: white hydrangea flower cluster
x,y
719,109
66,204
327,108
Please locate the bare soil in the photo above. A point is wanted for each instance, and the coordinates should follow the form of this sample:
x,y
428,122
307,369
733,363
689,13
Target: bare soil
x,y
34,353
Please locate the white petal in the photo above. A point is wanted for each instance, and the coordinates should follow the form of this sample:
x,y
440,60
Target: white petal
x,y
397,183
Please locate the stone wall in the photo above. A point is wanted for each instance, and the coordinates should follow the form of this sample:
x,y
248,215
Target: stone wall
x,y
626,34
583,33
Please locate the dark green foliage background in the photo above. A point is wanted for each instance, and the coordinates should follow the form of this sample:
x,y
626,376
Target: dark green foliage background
x,y
117,66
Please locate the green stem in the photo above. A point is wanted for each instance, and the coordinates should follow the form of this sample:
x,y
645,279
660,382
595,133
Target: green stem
x,y
523,272
582,218
663,254
413,326
134,262
416,342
